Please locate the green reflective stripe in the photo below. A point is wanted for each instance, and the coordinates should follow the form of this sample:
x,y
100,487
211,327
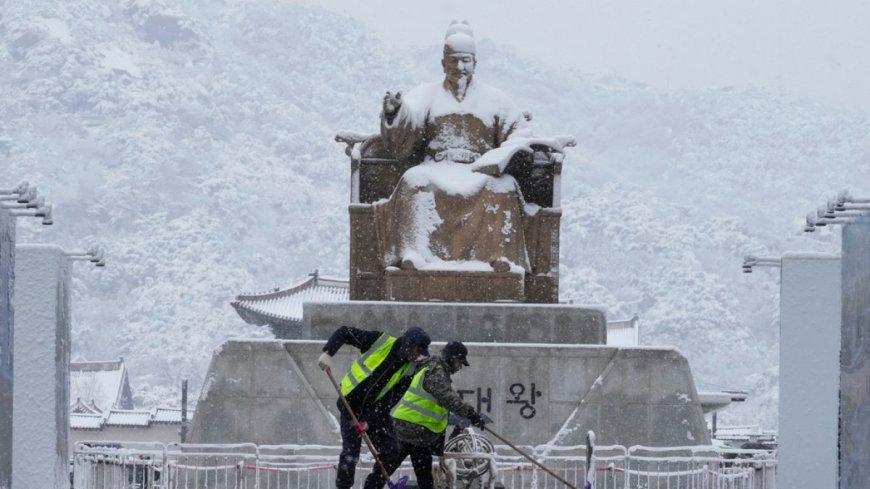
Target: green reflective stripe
x,y
361,366
422,393
375,347
421,410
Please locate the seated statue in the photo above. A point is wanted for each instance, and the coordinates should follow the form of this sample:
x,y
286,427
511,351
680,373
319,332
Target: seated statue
x,y
455,200
458,209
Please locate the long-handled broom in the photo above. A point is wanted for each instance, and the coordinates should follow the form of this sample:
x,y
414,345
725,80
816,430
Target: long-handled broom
x,y
529,458
392,485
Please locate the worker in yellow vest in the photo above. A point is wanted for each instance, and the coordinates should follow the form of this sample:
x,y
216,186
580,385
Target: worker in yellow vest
x,y
373,385
421,415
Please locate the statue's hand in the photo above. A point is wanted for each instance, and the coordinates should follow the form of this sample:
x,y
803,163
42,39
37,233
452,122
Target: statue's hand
x,y
392,103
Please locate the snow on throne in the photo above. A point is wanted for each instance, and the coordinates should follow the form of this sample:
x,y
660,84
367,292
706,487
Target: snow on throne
x,y
455,199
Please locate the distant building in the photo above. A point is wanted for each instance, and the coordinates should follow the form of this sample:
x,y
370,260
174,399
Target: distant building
x,y
116,425
96,387
102,408
743,436
623,332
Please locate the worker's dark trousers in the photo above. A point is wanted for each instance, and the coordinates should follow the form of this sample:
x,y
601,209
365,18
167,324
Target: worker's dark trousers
x,y
383,436
421,459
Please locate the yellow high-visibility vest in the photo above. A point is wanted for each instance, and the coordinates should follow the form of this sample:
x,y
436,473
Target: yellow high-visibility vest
x,y
367,362
419,407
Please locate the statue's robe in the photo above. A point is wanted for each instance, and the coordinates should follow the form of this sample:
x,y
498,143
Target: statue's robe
x,y
442,215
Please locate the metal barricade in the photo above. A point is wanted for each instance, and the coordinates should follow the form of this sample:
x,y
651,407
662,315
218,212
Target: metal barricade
x,y
121,465
130,465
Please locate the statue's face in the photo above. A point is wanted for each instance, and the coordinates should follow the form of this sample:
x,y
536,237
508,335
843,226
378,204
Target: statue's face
x,y
458,67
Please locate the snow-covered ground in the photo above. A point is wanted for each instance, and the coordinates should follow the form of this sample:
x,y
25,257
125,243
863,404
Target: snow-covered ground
x,y
194,140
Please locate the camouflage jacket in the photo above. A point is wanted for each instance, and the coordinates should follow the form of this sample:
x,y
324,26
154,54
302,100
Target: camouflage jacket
x,y
436,381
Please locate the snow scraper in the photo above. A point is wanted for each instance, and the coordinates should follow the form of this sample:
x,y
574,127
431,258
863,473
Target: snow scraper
x,y
529,458
392,485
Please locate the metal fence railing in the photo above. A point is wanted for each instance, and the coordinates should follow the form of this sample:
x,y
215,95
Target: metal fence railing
x,y
130,465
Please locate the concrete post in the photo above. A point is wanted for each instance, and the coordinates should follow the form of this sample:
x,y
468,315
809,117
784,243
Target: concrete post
x,y
7,282
809,370
42,357
855,357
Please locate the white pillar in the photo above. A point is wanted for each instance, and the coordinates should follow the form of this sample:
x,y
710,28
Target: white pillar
x,y
855,358
809,370
7,282
42,356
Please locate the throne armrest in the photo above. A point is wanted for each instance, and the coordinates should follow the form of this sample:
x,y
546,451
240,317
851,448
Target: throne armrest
x,y
539,173
374,171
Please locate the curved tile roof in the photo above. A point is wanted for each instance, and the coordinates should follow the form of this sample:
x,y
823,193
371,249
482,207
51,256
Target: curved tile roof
x,y
285,305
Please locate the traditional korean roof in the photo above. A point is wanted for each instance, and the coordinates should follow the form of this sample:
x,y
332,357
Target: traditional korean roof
x,y
127,417
78,421
283,307
745,433
100,385
118,417
168,415
81,407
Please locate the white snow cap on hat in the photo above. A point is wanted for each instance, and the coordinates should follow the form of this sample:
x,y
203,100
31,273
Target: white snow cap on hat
x,y
459,37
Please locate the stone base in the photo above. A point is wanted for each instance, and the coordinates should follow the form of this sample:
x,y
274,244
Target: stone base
x,y
453,286
274,393
444,321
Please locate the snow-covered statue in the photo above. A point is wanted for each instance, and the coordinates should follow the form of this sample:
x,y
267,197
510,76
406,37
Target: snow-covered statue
x,y
460,208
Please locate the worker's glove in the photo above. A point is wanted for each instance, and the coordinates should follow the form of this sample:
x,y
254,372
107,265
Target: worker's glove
x,y
325,361
361,427
477,421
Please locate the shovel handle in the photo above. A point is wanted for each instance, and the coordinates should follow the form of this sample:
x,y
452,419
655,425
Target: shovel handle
x,y
363,434
529,458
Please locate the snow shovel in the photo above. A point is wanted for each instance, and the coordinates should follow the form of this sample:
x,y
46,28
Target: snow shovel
x,y
392,485
529,458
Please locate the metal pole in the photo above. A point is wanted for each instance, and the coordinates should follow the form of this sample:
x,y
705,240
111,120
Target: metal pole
x,y
7,282
855,357
183,410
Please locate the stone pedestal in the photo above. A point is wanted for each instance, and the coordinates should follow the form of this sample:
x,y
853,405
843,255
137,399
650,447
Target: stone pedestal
x,y
272,392
259,393
453,286
519,323
42,356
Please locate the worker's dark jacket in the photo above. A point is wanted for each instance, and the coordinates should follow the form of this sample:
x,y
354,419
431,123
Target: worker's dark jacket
x,y
363,399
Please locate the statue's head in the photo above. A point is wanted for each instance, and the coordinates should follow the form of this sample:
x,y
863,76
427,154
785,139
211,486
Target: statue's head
x,y
459,58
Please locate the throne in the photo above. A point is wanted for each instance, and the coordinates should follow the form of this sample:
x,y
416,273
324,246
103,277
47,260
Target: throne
x,y
374,175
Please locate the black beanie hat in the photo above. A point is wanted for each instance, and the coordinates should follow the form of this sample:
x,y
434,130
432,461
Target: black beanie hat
x,y
455,349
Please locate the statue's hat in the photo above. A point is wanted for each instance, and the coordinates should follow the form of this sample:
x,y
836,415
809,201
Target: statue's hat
x,y
459,38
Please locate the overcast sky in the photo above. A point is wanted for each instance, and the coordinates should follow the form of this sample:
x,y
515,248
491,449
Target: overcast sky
x,y
816,49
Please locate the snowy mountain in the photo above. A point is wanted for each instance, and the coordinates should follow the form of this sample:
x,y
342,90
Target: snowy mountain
x,y
194,139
